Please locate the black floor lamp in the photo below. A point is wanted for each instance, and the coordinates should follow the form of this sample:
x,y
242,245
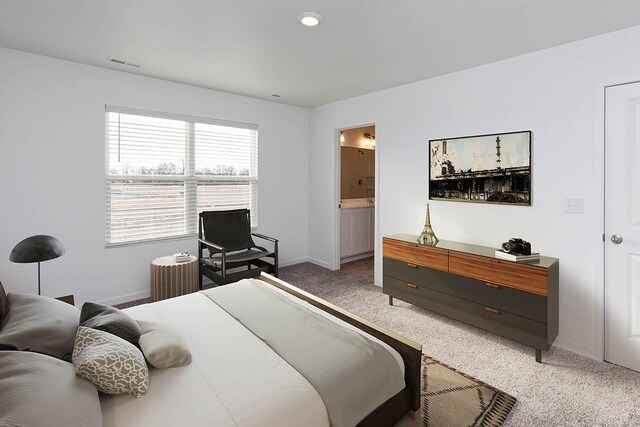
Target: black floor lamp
x,y
37,249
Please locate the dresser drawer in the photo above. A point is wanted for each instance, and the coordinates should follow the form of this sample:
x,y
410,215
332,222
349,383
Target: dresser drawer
x,y
413,253
526,331
519,276
522,303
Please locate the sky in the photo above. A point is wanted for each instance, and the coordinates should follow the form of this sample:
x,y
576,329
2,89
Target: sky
x,y
479,153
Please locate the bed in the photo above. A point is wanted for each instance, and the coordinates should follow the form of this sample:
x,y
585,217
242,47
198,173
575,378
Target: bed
x,y
263,353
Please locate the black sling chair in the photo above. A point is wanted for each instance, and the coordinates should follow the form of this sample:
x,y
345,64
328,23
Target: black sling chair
x,y
228,238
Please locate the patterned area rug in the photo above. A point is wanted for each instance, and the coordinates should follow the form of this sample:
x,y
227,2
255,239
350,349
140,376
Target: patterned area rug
x,y
451,398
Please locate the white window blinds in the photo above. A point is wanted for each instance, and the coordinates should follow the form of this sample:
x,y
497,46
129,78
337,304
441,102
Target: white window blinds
x,y
163,169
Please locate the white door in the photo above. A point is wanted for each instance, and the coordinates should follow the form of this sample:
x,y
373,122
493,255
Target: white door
x,y
622,225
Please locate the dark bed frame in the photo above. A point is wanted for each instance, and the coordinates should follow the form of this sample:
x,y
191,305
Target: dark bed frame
x,y
408,399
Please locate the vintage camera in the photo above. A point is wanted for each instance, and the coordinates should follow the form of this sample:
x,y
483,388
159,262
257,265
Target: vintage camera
x,y
517,246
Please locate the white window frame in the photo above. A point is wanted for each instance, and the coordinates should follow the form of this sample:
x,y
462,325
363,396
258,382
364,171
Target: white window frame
x,y
189,178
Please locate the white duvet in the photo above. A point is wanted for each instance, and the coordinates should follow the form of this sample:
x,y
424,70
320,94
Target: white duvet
x,y
235,379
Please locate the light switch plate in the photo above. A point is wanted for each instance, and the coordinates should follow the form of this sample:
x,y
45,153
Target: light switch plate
x,y
573,205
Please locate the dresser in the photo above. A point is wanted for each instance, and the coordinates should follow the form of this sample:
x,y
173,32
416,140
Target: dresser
x,y
466,282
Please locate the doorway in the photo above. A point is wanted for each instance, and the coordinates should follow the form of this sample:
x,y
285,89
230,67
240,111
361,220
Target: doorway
x,y
357,180
622,225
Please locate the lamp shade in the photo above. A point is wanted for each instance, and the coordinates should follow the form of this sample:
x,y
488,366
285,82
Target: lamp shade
x,y
37,249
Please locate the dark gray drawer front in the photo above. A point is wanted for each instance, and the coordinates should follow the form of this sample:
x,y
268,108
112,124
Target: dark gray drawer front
x,y
517,328
521,303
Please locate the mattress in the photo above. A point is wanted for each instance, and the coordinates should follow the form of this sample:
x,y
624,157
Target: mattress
x,y
235,379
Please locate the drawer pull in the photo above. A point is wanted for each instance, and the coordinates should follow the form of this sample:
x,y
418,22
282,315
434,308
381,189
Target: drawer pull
x,y
492,285
411,285
492,310
411,265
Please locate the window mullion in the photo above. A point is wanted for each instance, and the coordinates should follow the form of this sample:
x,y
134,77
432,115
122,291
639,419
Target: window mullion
x,y
190,183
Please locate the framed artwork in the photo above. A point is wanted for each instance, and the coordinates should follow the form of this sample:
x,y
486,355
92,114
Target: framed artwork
x,y
492,168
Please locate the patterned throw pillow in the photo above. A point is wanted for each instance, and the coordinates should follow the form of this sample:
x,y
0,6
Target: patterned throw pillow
x,y
110,319
111,363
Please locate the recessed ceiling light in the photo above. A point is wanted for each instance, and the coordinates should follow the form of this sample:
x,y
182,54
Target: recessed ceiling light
x,y
310,19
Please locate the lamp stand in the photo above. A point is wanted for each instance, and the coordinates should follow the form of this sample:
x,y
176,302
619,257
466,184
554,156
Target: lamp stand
x,y
38,277
36,249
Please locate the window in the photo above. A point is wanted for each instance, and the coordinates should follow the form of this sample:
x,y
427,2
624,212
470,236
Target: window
x,y
163,169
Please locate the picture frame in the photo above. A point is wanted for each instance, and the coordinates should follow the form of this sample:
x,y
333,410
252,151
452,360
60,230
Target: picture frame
x,y
492,168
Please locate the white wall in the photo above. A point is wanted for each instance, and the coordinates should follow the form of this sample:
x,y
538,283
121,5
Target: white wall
x,y
52,171
52,165
550,92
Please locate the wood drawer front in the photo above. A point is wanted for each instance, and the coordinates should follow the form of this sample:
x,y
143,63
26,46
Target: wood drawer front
x,y
416,254
518,276
517,302
525,331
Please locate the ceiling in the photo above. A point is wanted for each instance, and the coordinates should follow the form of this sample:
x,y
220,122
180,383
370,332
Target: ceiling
x,y
258,48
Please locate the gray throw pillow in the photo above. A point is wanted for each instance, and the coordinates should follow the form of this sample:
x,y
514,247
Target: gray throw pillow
x,y
39,324
162,346
110,319
40,391
114,365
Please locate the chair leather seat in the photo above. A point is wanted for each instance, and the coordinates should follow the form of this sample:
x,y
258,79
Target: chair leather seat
x,y
235,257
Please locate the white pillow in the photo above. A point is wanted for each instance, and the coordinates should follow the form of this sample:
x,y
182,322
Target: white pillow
x,y
162,346
114,365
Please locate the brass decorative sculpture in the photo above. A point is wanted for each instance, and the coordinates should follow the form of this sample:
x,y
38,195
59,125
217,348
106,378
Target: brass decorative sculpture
x,y
428,237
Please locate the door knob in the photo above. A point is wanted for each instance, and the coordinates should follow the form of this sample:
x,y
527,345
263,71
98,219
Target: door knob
x,y
616,238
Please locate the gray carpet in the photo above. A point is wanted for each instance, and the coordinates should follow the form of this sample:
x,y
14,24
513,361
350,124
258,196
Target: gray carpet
x,y
566,390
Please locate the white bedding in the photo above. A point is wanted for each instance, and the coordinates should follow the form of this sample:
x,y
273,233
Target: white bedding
x,y
334,319
235,379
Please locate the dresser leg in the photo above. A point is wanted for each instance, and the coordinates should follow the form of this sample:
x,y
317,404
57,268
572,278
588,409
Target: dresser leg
x,y
416,415
538,355
390,300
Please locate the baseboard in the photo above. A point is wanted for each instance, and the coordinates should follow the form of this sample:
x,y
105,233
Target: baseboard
x,y
319,263
356,257
293,261
145,294
574,347
125,298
